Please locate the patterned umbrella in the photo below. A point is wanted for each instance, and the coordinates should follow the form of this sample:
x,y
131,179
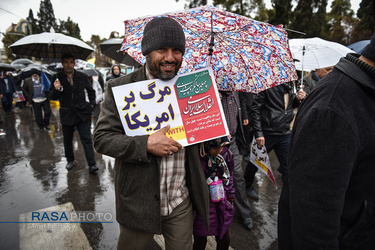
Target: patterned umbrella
x,y
246,55
51,45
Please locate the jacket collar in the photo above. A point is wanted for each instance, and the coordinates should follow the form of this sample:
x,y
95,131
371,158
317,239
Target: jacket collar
x,y
356,72
140,75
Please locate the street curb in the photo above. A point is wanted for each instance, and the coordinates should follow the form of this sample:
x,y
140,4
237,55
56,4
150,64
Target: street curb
x,y
52,235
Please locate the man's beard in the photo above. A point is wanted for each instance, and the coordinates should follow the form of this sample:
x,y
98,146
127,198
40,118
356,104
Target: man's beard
x,y
154,68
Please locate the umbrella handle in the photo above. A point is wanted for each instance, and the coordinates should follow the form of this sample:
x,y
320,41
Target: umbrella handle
x,y
303,56
212,42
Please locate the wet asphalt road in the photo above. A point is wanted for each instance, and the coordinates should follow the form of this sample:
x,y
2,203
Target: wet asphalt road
x,y
33,177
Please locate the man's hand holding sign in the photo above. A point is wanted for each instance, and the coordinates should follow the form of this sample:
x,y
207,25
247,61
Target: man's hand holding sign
x,y
159,144
188,103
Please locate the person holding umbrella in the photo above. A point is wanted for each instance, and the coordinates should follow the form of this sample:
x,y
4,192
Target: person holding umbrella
x,y
311,79
37,95
157,180
69,87
8,89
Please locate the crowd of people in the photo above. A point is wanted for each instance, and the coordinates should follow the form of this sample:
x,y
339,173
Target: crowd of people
x,y
267,116
325,152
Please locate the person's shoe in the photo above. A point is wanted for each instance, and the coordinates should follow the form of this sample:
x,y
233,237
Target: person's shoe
x,y
41,130
248,223
253,195
48,128
70,165
93,169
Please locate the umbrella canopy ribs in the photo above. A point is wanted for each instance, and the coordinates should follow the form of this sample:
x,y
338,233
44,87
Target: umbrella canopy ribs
x,y
245,54
51,45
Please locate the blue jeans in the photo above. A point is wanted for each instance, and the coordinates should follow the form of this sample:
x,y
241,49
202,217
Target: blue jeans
x,y
83,128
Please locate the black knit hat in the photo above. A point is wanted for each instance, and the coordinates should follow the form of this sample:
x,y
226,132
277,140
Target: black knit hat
x,y
369,50
163,32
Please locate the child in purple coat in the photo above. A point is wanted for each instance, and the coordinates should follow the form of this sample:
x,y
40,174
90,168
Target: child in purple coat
x,y
217,163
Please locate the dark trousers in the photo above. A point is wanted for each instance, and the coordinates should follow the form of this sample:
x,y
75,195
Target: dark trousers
x,y
83,128
39,108
96,112
240,200
250,172
200,242
7,102
279,143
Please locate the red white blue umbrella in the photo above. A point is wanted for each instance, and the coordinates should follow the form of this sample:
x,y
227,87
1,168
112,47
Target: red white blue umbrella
x,y
245,54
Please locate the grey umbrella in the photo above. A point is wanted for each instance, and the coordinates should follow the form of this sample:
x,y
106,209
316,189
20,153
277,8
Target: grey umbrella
x,y
23,61
51,45
35,68
6,67
111,48
18,66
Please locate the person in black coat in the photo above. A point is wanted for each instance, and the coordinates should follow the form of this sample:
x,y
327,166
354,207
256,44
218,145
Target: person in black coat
x,y
328,200
271,114
70,88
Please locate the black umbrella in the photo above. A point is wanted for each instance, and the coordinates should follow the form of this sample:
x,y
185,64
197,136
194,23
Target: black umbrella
x,y
23,61
55,67
88,72
111,48
51,45
6,67
35,68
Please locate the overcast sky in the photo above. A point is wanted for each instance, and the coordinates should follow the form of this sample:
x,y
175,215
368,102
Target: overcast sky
x,y
99,17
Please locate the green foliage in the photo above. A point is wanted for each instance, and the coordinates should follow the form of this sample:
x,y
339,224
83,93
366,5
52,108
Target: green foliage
x,y
340,22
196,3
46,17
70,28
282,12
34,28
261,13
364,28
46,22
7,40
240,7
307,16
